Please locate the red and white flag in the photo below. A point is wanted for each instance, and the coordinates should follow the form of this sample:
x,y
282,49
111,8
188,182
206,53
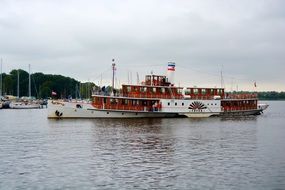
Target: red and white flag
x,y
171,66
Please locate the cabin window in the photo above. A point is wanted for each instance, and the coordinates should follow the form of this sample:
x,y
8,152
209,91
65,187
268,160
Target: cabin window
x,y
168,103
182,104
195,91
153,90
175,103
179,90
114,101
143,89
162,90
212,91
124,102
187,92
135,102
128,89
105,100
204,92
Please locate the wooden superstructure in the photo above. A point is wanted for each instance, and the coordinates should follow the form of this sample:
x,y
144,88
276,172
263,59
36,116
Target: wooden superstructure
x,y
146,96
157,96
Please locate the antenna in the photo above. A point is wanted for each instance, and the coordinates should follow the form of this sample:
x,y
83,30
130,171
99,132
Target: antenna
x,y
232,83
222,78
138,78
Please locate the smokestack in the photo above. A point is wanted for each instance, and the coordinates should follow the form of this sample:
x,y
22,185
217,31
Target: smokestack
x,y
170,72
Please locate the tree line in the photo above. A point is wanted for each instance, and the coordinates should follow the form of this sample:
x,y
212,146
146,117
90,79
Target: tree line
x,y
42,85
271,95
266,95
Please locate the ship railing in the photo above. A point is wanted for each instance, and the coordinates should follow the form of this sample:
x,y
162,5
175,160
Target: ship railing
x,y
127,108
101,93
240,96
165,96
157,96
176,96
239,108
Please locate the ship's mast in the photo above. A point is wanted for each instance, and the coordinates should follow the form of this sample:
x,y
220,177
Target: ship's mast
x,y
113,68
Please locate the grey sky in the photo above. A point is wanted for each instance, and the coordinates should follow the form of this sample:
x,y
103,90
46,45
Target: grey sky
x,y
80,38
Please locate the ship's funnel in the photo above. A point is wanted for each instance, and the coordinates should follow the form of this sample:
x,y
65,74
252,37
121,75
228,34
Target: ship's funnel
x,y
170,72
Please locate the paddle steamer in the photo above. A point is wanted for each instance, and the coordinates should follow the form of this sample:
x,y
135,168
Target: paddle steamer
x,y
157,96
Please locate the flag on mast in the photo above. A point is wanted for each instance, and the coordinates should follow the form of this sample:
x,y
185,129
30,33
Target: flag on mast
x,y
255,84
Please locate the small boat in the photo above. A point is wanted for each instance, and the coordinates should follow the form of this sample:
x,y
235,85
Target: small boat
x,y
157,96
25,102
24,105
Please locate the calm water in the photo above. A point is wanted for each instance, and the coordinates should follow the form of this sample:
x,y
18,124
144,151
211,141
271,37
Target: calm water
x,y
213,153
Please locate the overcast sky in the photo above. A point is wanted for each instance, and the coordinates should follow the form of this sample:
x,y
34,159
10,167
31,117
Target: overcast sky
x,y
243,38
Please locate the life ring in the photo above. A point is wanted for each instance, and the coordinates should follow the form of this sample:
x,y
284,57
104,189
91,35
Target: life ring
x,y
58,114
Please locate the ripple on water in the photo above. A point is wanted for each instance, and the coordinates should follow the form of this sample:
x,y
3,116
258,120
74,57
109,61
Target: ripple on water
x,y
214,153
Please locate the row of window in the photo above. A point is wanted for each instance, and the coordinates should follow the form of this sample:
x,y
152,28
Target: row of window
x,y
195,91
182,104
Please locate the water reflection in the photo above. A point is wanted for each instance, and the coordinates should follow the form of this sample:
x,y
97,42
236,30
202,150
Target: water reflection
x,y
132,150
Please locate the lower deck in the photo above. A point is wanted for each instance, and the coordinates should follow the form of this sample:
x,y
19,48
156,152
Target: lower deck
x,y
168,108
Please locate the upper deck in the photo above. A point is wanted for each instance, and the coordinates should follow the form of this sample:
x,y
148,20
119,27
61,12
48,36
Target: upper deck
x,y
158,87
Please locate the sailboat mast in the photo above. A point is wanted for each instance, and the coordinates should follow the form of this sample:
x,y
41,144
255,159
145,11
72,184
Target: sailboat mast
x,y
18,84
29,81
1,79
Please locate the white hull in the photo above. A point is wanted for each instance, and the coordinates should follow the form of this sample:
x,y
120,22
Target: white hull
x,y
71,110
21,105
86,110
201,115
263,106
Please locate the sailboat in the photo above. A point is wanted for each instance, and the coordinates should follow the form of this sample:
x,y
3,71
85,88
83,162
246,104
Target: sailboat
x,y
1,105
28,103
